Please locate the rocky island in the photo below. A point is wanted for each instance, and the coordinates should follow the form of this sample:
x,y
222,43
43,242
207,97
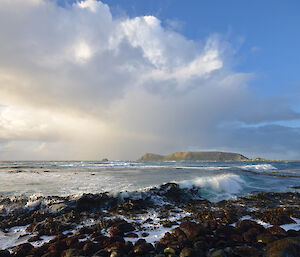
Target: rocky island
x,y
195,156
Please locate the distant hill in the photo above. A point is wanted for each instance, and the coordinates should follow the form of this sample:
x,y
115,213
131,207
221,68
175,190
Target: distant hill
x,y
194,156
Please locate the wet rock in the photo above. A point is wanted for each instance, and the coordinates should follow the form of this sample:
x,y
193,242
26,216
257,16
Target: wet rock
x,y
169,251
48,227
132,235
101,253
179,234
71,241
22,250
120,228
245,225
4,253
86,230
143,248
191,229
58,207
34,239
93,201
116,246
167,238
218,253
251,234
115,254
246,251
199,245
58,246
265,238
285,247
276,230
277,216
128,247
236,238
145,234
70,253
159,248
50,254
90,248
176,245
130,207
187,252
293,233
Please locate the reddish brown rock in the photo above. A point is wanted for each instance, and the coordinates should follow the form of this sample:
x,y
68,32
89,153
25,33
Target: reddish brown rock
x,y
276,230
250,235
118,229
22,250
245,225
179,234
58,246
143,248
191,229
71,241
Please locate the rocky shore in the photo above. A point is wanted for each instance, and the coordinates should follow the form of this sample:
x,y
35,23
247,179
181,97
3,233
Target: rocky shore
x,y
164,221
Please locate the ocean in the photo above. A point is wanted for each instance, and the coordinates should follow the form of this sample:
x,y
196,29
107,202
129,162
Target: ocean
x,y
72,197
216,180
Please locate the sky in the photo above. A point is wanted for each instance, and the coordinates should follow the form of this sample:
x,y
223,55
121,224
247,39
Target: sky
x,y
86,80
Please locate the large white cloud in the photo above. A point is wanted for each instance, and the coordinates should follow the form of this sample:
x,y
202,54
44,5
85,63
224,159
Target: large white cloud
x,y
76,82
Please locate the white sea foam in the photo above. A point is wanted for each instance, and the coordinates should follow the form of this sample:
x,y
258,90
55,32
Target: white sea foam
x,y
223,183
258,167
286,227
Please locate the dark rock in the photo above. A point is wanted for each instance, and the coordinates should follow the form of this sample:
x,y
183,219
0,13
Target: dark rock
x,y
265,238
236,238
285,247
145,234
101,253
22,250
48,227
143,248
245,225
179,234
191,229
132,235
4,253
34,239
93,201
246,251
187,252
71,241
293,233
169,250
120,228
90,248
70,253
251,234
276,230
159,248
57,246
217,253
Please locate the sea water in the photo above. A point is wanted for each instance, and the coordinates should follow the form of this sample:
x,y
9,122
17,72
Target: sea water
x,y
32,182
216,180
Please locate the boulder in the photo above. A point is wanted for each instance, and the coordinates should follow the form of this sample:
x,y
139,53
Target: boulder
x,y
191,229
289,246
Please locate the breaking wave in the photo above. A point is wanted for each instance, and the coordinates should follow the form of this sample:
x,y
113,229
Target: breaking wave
x,y
258,167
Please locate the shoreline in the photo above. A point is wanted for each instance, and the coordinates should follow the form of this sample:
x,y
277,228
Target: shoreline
x,y
169,223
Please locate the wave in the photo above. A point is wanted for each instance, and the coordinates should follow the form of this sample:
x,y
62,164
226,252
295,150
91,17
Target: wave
x,y
223,183
258,167
213,188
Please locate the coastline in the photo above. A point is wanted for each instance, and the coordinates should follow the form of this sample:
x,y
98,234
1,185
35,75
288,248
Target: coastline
x,y
167,222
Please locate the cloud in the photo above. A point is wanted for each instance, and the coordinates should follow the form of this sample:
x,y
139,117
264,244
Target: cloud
x,y
78,83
